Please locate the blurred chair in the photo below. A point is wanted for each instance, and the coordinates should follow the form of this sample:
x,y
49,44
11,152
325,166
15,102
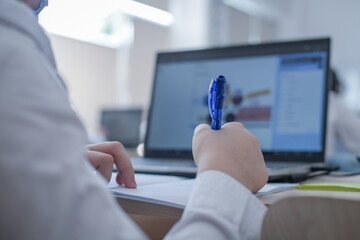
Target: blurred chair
x,y
313,218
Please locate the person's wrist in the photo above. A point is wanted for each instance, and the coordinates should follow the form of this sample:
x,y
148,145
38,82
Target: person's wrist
x,y
221,166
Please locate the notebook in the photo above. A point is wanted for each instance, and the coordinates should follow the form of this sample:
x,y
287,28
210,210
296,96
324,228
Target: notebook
x,y
277,90
174,191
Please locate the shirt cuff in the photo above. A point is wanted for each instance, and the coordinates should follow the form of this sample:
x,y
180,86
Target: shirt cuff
x,y
223,195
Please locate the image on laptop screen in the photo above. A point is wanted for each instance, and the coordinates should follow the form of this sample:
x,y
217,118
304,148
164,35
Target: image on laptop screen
x,y
279,97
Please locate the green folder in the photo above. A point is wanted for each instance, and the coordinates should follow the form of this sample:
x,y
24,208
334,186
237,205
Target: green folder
x,y
345,187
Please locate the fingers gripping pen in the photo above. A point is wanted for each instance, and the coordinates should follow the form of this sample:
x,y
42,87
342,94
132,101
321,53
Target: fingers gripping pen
x,y
216,100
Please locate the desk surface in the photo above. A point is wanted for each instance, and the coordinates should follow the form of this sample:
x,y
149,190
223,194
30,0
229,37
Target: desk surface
x,y
272,198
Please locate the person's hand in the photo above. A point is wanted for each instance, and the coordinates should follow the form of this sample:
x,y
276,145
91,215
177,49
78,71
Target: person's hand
x,y
232,150
103,156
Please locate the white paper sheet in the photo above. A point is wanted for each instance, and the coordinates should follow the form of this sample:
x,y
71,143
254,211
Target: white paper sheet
x,y
174,191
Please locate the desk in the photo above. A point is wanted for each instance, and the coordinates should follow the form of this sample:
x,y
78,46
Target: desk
x,y
270,199
156,219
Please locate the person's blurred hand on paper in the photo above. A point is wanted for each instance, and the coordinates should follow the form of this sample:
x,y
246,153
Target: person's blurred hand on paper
x,y
102,157
232,150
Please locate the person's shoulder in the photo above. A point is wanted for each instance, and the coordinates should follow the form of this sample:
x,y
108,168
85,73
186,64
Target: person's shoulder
x,y
15,47
18,28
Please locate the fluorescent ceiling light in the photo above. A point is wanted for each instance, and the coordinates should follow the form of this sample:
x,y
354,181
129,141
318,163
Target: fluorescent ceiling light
x,y
145,12
85,19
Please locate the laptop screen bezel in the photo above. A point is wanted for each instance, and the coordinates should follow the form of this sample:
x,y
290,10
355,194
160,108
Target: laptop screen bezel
x,y
276,48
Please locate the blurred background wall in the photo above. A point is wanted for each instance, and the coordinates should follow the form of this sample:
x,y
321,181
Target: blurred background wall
x,y
106,54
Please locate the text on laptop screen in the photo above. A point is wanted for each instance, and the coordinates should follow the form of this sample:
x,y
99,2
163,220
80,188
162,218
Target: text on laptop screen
x,y
279,98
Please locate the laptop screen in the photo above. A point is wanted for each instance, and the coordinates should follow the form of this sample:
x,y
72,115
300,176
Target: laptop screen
x,y
122,125
278,91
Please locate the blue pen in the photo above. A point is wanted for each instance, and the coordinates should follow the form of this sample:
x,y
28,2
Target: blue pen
x,y
216,100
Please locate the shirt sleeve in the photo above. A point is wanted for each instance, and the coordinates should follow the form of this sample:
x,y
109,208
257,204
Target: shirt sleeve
x,y
220,208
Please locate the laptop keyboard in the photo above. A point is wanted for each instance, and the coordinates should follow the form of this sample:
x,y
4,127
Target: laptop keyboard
x,y
163,162
170,162
187,167
281,165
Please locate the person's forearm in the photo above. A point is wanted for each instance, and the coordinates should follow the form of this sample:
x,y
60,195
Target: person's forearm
x,y
220,208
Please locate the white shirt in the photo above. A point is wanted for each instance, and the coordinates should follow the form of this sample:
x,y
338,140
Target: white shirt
x,y
48,189
343,125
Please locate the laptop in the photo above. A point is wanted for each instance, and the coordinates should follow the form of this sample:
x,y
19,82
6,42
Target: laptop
x,y
122,125
277,90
